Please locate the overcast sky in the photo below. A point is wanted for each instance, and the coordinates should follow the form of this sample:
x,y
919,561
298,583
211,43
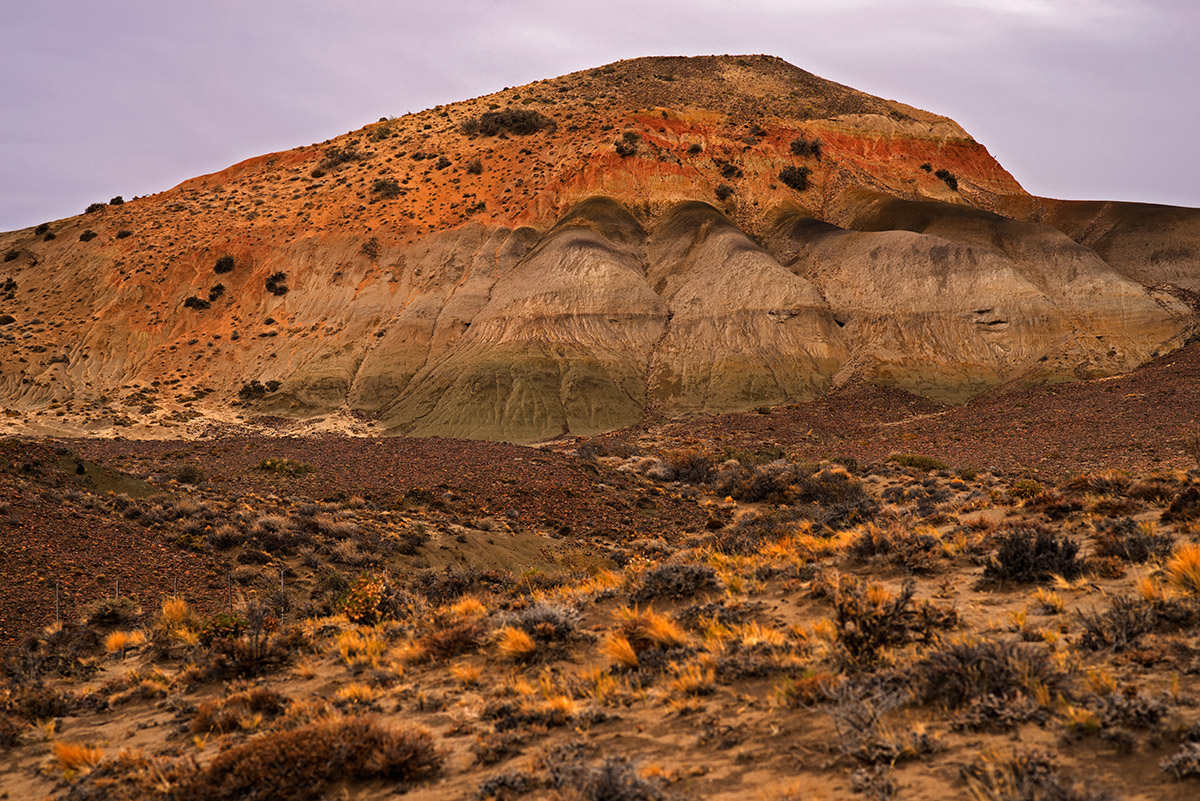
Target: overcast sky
x,y
1082,99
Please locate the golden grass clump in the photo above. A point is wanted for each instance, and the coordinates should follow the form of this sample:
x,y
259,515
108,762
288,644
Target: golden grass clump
x,y
618,648
1183,569
361,647
356,693
175,614
514,643
122,641
646,627
75,757
466,675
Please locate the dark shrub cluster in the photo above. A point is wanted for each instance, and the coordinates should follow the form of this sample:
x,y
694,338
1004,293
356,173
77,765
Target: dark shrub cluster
x,y
1130,541
1129,618
805,147
193,302
1034,554
277,283
868,619
520,122
964,670
336,156
948,179
224,265
11,255
1030,776
795,177
385,188
686,465
723,191
256,389
1185,507
88,235
475,167
545,622
94,207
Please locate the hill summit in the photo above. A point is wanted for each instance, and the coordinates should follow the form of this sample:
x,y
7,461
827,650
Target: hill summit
x,y
655,237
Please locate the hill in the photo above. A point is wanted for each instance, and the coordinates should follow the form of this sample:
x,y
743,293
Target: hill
x,y
655,237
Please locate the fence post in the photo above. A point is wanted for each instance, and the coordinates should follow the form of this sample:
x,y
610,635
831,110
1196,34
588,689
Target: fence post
x,y
57,606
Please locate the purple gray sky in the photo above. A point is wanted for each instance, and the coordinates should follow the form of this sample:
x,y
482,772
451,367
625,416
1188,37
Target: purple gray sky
x,y
1082,99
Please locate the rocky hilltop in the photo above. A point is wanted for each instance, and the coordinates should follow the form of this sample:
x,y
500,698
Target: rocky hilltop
x,y
656,237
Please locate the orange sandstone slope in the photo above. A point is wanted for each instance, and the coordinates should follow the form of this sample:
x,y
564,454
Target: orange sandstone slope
x,y
657,236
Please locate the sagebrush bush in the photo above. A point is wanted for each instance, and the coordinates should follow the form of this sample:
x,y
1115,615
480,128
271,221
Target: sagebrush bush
x,y
303,763
1131,541
675,581
520,122
1034,554
966,669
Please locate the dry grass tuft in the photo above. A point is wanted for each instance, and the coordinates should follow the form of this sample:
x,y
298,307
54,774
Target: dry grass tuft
x,y
513,643
75,757
618,648
1183,569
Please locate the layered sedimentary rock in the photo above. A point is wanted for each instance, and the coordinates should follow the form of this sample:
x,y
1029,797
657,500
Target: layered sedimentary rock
x,y
656,237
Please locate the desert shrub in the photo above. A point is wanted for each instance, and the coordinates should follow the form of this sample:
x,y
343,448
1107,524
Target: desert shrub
x,y
1034,554
729,171
927,167
1120,626
189,474
686,465
193,302
10,731
545,622
303,763
445,638
284,467
336,156
858,716
224,264
88,235
215,292
475,167
1131,541
1025,489
386,188
123,233
1184,508
94,207
925,463
442,163
612,778
948,178
117,201
520,122
804,147
256,389
11,255
695,148
966,669
868,618
228,713
37,701
625,148
44,228
675,581
276,283
453,582
371,599
113,612
795,177
1102,482
1184,763
914,549
1029,776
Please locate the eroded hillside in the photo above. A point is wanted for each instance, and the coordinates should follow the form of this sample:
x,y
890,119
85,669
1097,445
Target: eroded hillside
x,y
660,236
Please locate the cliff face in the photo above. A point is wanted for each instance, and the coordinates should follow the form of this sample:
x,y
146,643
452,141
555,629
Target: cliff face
x,y
659,236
